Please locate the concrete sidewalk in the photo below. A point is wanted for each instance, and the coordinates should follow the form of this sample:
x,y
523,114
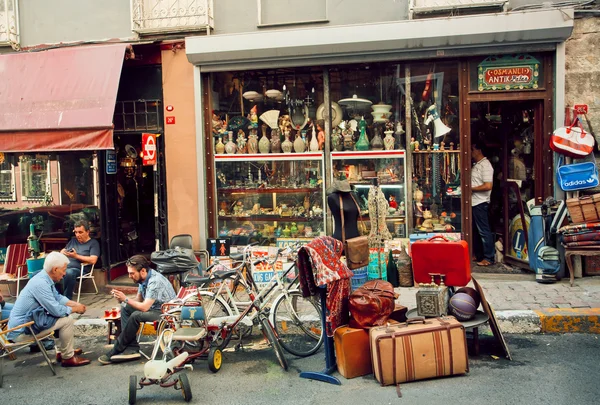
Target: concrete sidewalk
x,y
521,305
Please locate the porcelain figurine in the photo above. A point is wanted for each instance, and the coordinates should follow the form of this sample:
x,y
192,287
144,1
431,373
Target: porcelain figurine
x,y
308,232
389,141
299,144
220,147
287,145
320,135
348,135
252,142
314,143
286,232
275,141
253,117
294,230
230,146
363,142
263,144
241,141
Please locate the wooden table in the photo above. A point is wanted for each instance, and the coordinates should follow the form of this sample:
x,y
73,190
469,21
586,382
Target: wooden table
x,y
578,251
54,241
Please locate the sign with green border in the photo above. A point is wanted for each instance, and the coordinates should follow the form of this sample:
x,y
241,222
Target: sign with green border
x,y
508,72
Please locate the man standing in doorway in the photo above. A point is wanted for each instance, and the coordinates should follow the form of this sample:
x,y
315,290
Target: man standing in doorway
x,y
482,178
81,249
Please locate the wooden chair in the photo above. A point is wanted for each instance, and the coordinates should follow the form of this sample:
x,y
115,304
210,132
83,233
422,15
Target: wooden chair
x,y
15,267
8,349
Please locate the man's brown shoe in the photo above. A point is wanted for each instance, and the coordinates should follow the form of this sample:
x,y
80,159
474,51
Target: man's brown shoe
x,y
76,352
75,361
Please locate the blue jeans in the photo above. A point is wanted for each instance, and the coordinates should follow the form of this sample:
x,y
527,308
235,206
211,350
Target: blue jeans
x,y
69,281
483,239
6,310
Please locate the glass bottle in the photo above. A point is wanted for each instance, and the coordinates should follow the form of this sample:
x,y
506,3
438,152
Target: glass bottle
x,y
363,142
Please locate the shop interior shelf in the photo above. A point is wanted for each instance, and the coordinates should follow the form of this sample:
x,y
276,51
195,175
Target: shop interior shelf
x,y
269,190
389,217
269,218
436,151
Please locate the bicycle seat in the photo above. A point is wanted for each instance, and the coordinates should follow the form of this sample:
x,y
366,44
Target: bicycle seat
x,y
237,257
197,279
221,274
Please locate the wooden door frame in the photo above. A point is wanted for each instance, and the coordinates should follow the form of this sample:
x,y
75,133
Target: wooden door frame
x,y
543,166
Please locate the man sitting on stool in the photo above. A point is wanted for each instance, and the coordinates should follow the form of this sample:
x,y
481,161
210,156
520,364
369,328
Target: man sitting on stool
x,y
40,294
81,249
153,291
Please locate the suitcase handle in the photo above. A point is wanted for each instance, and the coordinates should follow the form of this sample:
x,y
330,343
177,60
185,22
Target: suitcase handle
x,y
416,319
438,237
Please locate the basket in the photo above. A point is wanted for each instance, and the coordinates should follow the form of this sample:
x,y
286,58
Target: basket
x,y
359,278
584,209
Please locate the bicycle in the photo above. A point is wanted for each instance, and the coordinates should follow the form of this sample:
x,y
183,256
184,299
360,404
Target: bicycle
x,y
296,319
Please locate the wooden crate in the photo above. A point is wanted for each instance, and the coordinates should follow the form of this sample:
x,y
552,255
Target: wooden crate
x,y
584,209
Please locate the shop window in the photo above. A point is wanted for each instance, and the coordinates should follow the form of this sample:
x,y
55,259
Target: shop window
x,y
7,178
76,178
35,177
139,115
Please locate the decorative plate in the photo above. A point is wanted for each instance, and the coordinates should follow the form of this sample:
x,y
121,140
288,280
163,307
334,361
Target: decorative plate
x,y
237,122
336,113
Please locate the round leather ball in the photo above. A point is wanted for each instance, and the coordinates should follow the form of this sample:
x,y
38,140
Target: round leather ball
x,y
462,306
471,292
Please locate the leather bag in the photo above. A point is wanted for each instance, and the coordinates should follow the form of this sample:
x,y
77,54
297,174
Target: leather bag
x,y
356,249
572,141
371,304
577,176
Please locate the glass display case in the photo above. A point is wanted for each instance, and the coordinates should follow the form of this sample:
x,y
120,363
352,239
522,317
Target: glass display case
x,y
384,168
260,196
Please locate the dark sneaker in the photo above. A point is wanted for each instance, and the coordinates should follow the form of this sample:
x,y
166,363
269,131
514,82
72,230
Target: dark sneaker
x,y
105,359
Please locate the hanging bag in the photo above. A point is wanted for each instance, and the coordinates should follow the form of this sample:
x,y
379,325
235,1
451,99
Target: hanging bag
x,y
577,176
572,141
357,249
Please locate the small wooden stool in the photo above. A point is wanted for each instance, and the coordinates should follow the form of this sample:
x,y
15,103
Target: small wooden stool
x,y
114,328
578,251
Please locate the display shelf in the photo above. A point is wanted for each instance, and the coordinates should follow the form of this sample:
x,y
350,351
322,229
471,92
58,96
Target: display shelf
x,y
263,218
436,151
277,190
274,157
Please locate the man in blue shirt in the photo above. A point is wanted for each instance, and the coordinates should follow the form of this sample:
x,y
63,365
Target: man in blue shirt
x,y
41,292
81,249
153,291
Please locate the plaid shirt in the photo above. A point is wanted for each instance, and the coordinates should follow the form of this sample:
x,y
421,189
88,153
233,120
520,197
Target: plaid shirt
x,y
157,287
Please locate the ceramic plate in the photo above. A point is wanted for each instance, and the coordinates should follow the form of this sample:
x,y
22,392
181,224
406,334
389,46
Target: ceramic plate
x,y
237,122
336,113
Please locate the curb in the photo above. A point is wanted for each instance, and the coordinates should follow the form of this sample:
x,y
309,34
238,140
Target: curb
x,y
550,320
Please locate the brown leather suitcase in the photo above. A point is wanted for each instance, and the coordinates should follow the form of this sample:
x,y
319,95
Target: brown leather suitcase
x,y
418,349
352,351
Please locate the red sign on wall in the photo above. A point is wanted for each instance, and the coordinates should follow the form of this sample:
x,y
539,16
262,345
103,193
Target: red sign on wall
x,y
149,149
170,120
581,108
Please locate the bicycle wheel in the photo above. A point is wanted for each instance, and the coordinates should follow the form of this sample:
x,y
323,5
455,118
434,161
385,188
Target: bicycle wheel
x,y
219,309
269,333
297,322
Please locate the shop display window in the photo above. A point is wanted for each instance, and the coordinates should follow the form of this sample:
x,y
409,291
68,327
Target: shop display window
x,y
270,197
7,178
35,177
76,178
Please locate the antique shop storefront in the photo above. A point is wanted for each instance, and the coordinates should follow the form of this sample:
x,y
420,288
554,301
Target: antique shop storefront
x,y
286,112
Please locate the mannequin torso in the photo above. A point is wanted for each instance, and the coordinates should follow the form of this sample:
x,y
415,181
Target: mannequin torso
x,y
351,215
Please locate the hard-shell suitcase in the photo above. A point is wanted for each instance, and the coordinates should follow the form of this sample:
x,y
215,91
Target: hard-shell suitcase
x,y
418,349
352,351
438,255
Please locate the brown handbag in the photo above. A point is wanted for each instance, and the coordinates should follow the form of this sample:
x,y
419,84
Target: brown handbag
x,y
371,304
356,249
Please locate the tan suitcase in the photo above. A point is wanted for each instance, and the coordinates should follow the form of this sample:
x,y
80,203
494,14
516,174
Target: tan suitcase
x,y
418,349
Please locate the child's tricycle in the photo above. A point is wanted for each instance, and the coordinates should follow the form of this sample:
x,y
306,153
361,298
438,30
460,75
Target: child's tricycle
x,y
184,345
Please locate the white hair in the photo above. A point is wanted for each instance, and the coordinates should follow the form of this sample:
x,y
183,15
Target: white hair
x,y
55,259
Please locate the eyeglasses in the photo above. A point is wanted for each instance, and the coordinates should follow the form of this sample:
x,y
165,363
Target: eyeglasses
x,y
135,263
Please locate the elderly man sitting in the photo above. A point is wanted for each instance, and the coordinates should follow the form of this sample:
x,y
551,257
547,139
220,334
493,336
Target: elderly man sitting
x,y
40,302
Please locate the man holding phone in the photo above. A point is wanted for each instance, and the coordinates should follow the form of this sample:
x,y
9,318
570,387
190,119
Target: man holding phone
x,y
81,249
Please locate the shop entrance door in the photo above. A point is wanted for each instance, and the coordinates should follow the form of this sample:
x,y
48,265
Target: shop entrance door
x,y
511,132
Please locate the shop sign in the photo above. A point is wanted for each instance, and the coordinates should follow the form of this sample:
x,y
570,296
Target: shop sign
x,y
149,149
111,162
170,120
508,72
581,108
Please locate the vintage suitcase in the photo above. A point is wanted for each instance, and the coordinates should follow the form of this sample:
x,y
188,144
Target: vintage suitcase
x,y
584,209
438,255
418,349
352,351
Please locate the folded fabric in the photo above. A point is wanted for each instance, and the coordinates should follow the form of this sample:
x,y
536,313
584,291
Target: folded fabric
x,y
580,227
581,236
585,243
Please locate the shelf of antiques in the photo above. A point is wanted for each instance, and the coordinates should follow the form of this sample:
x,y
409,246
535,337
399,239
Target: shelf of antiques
x,y
272,196
371,172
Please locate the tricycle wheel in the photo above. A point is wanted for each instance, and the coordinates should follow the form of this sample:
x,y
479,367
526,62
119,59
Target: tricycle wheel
x,y
186,390
132,389
215,359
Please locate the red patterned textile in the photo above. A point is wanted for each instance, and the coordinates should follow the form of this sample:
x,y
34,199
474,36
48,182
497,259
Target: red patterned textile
x,y
319,265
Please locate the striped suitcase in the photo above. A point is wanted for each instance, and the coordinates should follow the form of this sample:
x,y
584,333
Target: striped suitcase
x,y
418,349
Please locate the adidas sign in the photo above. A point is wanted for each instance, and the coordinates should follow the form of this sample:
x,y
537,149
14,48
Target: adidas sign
x,y
579,182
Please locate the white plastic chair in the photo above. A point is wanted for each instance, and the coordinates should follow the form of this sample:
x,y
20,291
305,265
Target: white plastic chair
x,y
88,276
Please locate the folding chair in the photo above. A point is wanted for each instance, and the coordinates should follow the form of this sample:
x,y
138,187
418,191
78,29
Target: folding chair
x,y
15,267
88,276
8,349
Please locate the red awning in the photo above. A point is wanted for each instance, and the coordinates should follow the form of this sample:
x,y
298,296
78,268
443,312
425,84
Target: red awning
x,y
60,99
